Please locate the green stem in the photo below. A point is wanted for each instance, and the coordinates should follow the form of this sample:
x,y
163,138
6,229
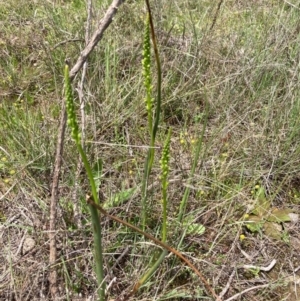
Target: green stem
x,y
72,122
150,156
96,227
164,225
154,267
186,194
160,243
164,178
147,170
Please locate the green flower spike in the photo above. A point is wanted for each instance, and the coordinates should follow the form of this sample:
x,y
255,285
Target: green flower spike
x,y
146,62
164,165
72,121
96,225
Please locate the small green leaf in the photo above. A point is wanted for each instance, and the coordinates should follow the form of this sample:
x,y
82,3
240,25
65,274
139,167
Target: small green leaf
x,y
183,294
195,229
2,217
119,198
263,204
254,271
285,237
280,215
97,172
97,168
254,223
191,227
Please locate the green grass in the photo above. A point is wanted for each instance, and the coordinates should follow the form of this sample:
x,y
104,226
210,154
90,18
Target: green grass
x,y
242,76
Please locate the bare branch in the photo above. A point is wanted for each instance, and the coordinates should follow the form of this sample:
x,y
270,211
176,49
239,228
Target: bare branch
x,y
247,290
102,26
261,268
53,205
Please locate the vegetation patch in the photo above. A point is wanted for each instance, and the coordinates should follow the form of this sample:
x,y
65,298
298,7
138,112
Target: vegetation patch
x,y
183,165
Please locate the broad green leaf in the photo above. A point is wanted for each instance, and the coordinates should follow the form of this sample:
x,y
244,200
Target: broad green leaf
x,y
280,215
195,229
273,230
192,227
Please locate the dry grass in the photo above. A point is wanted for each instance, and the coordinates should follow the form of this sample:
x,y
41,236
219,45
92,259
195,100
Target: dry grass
x,y
246,69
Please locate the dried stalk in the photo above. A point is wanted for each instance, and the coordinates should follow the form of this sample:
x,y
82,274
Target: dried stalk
x,y
53,205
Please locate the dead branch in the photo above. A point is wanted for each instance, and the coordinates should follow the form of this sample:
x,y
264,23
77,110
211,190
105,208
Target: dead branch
x,y
53,205
97,36
248,290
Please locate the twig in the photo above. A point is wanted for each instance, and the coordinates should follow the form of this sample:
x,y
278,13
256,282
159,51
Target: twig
x,y
103,25
110,284
110,272
1,148
291,4
250,258
158,242
120,258
21,244
264,269
246,291
225,289
53,204
8,191
297,269
123,145
216,15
